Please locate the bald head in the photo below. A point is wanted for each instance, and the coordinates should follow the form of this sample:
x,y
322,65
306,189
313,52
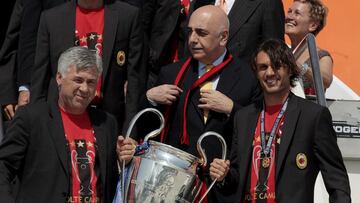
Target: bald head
x,y
208,33
215,15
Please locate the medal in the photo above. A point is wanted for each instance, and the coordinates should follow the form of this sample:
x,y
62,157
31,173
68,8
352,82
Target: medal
x,y
267,141
265,162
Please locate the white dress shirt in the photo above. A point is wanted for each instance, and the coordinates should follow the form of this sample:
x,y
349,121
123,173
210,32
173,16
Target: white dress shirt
x,y
229,5
202,70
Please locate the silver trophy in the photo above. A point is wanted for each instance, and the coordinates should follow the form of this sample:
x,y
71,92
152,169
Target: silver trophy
x,y
163,173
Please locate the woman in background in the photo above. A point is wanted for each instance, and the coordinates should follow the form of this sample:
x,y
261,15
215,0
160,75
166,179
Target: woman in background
x,y
303,17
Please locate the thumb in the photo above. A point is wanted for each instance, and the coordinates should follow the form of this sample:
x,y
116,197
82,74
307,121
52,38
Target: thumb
x,y
227,162
120,139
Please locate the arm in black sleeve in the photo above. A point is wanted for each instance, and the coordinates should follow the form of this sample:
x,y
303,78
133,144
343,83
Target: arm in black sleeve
x,y
8,55
12,153
27,39
40,77
273,20
330,160
136,71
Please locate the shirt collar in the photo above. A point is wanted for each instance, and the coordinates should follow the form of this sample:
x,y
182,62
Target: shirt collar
x,y
219,60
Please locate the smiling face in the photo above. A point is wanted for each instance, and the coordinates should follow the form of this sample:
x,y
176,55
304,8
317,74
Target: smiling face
x,y
207,34
275,81
298,21
77,89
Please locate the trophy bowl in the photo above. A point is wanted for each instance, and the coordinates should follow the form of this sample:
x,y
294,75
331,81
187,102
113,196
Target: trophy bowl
x,y
162,173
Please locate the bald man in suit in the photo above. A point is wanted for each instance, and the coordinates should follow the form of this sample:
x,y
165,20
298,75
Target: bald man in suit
x,y
251,22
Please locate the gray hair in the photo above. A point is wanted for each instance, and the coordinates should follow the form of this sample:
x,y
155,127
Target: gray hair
x,y
80,57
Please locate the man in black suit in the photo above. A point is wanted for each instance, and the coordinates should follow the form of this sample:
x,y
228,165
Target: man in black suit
x,y
190,106
114,31
32,10
62,150
251,22
281,143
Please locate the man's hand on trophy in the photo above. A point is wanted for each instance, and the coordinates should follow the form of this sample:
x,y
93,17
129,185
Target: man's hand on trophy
x,y
219,169
163,94
125,149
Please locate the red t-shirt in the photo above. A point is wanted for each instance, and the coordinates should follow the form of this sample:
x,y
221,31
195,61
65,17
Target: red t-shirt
x,y
82,141
89,29
261,181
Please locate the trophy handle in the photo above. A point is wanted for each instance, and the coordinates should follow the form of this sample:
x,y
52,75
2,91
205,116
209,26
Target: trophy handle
x,y
203,158
152,134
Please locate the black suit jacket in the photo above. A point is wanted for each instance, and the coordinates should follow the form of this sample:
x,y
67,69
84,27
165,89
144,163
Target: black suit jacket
x,y
28,33
307,129
137,3
162,21
8,53
236,81
122,32
34,149
251,22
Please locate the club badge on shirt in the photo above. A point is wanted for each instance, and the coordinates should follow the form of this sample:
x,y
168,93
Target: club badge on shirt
x,y
301,161
120,58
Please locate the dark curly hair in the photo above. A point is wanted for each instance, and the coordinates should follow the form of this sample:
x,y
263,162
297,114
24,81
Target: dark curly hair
x,y
280,55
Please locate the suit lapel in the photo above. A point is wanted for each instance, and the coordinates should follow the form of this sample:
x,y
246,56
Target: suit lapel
x,y
239,13
68,27
56,131
100,136
193,75
110,27
228,78
245,142
291,118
